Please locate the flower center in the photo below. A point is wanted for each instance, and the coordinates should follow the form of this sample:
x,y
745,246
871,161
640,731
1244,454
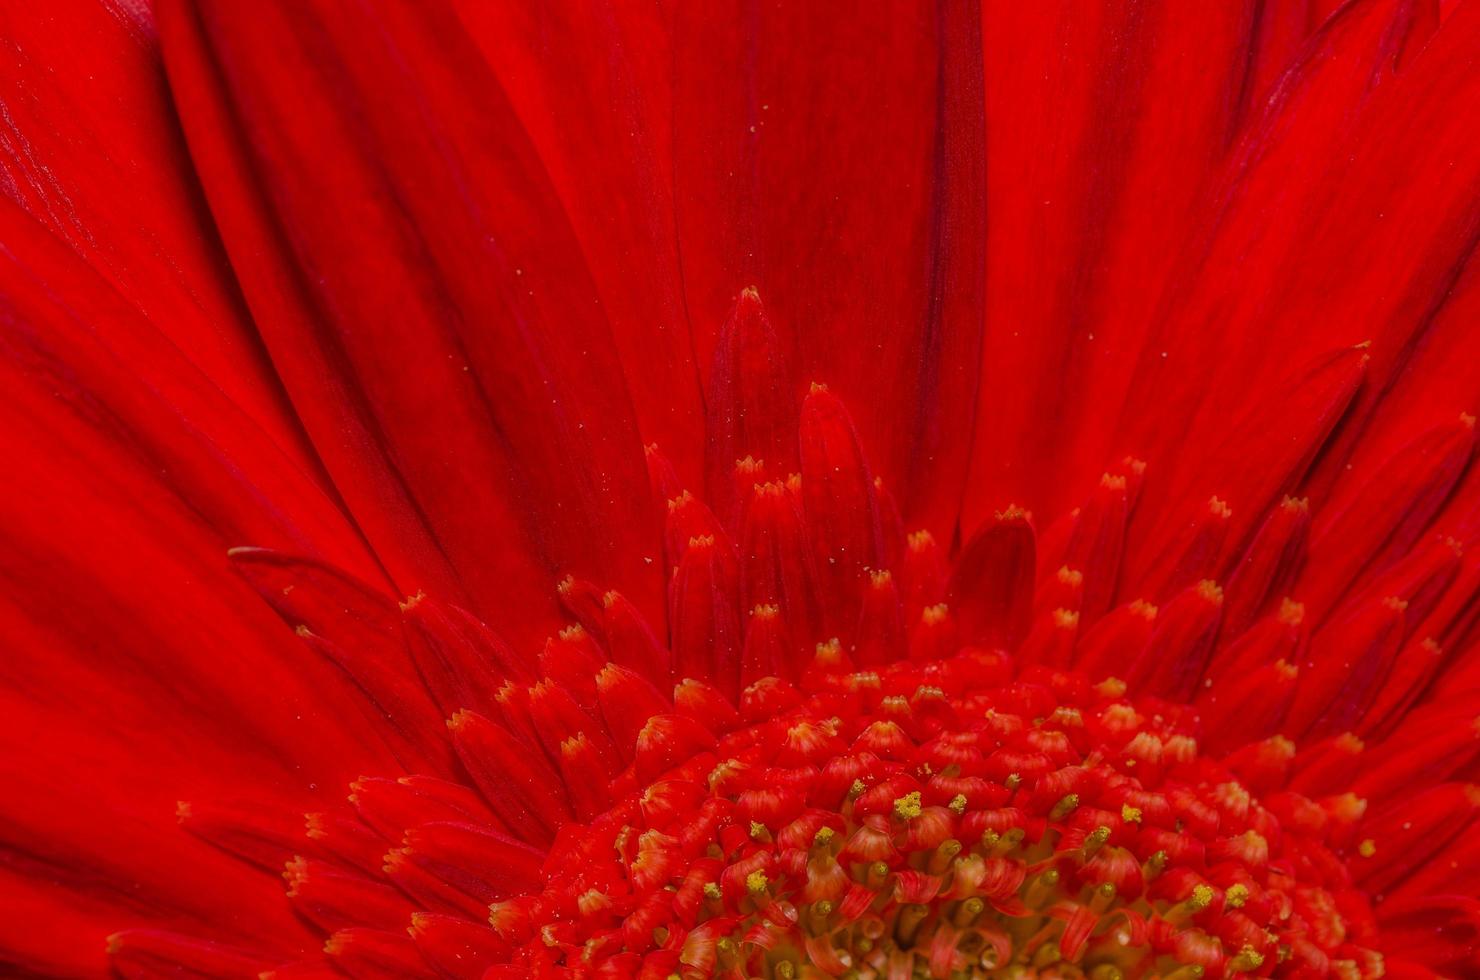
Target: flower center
x,y
939,818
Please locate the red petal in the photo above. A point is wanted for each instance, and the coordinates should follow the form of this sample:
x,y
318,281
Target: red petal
x,y
441,266
95,153
836,164
991,586
1091,178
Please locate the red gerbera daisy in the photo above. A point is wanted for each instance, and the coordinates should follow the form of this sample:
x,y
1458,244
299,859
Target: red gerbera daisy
x,y
761,490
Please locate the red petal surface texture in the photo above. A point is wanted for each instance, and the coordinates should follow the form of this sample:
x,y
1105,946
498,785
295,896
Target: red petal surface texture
x,y
710,481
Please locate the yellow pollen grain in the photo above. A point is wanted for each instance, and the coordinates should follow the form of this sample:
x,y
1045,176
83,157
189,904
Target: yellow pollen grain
x,y
711,890
1112,482
920,540
908,806
313,826
758,829
824,836
1286,670
817,388
958,803
1066,619
1247,959
1367,848
1295,503
856,790
1129,813
1144,609
1219,509
1064,807
1012,512
1202,896
1236,896
1291,613
934,615
1071,577
757,881
410,602
880,578
1211,591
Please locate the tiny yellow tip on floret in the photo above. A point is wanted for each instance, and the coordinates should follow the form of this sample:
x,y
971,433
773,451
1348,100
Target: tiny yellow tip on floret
x,y
1236,896
711,890
908,806
1202,896
757,881
1144,609
1012,512
1367,848
1130,814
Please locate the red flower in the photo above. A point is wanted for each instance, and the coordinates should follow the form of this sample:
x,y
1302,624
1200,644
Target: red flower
x,y
760,490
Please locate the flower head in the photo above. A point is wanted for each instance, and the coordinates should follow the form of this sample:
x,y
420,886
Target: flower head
x,y
947,490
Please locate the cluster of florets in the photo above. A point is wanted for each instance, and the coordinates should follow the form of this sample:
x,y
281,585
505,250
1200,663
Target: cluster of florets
x,y
935,819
